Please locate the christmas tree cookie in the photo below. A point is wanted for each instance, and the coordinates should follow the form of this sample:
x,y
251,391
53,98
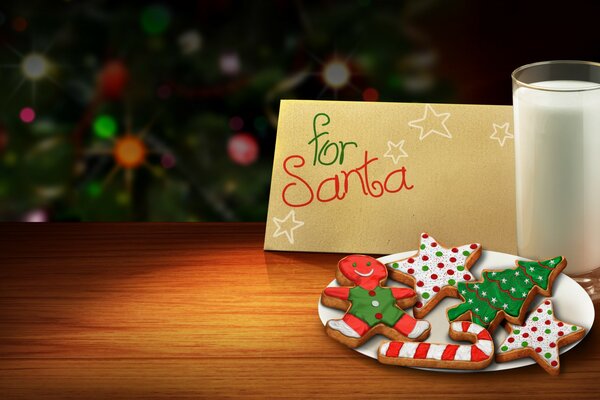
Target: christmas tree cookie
x,y
434,355
434,271
506,293
540,337
371,308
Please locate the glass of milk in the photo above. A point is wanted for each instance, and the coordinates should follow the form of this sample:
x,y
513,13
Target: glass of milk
x,y
556,107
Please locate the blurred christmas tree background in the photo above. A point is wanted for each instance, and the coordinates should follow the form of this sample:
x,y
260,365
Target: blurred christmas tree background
x,y
167,112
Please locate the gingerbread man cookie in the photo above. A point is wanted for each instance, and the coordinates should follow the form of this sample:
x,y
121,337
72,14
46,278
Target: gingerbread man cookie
x,y
434,271
540,337
371,308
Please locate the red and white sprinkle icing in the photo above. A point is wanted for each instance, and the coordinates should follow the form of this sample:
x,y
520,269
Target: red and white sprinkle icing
x,y
540,332
435,267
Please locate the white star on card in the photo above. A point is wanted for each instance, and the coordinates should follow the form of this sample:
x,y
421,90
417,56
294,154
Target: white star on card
x,y
542,335
501,133
395,151
287,226
431,122
433,270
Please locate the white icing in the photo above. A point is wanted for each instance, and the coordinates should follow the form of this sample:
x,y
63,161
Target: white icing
x,y
375,303
365,275
463,353
486,346
532,330
456,326
342,327
420,327
384,348
449,271
408,350
475,328
435,351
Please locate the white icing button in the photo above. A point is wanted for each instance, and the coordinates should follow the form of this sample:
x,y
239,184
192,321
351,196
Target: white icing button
x,y
375,303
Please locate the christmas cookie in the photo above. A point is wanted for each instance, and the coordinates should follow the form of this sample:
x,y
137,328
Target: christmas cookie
x,y
434,271
506,293
540,338
371,308
453,356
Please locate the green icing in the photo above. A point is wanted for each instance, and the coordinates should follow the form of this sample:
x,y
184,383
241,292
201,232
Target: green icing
x,y
502,290
422,247
362,306
466,253
425,268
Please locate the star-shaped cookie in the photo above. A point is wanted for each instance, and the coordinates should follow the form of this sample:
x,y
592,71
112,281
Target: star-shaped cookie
x,y
434,271
540,338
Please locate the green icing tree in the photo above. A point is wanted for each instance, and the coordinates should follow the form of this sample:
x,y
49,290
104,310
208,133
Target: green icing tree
x,y
505,291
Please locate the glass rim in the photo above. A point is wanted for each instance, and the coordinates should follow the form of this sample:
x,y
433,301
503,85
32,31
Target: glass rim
x,y
540,63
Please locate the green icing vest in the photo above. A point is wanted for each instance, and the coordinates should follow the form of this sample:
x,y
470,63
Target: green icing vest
x,y
374,306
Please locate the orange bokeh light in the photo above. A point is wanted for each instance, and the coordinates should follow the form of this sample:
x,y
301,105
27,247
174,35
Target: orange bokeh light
x,y
129,152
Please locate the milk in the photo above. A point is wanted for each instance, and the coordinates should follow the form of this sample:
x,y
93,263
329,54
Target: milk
x,y
557,149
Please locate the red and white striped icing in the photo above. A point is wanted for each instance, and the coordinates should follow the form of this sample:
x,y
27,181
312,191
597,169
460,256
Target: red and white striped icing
x,y
482,349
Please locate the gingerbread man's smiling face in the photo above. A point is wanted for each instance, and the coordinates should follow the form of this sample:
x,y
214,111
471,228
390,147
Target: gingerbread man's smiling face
x,y
361,269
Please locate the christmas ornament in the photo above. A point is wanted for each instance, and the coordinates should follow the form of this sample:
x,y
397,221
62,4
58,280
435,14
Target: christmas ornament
x,y
243,148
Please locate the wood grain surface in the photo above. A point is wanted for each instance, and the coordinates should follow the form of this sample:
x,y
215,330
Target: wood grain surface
x,y
201,311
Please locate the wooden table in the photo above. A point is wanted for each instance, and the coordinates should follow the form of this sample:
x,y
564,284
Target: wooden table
x,y
200,311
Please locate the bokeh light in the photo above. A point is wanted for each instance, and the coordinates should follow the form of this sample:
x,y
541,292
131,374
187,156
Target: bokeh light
x,y
167,161
105,126
34,66
370,94
155,19
336,74
236,123
36,216
93,189
243,148
230,63
27,115
129,152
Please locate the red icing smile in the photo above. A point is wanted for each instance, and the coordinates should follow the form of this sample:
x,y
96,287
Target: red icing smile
x,y
365,271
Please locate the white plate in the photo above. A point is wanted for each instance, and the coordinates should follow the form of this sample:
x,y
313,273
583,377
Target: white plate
x,y
571,304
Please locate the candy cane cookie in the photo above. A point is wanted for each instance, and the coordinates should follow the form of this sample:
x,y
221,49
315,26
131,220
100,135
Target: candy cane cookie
x,y
436,355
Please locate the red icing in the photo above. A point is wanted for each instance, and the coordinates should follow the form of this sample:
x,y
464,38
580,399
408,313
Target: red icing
x,y
357,324
449,352
352,266
511,339
378,316
433,244
539,310
454,250
440,265
484,335
394,349
425,258
560,324
411,260
420,284
539,338
554,363
434,276
547,322
473,246
372,293
538,349
410,271
424,236
547,302
453,259
450,272
560,333
422,350
467,277
465,325
419,304
436,289
552,344
477,355
526,335
534,329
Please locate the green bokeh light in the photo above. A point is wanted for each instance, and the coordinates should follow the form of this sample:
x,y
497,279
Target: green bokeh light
x,y
105,126
94,189
155,19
